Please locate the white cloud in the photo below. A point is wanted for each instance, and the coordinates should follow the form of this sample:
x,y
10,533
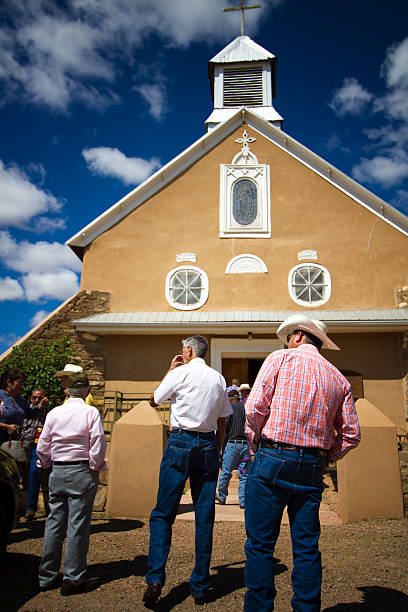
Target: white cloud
x,y
38,317
334,144
388,165
50,286
48,269
54,54
112,162
10,289
350,99
155,96
20,200
36,257
388,171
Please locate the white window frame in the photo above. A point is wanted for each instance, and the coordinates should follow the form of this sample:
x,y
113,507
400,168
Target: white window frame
x,y
260,175
327,280
204,292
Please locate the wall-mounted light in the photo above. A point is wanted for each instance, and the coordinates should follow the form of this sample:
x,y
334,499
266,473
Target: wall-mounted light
x,y
250,336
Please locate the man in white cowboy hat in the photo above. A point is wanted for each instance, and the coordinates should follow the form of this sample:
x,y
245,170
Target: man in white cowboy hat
x,y
72,368
300,415
244,391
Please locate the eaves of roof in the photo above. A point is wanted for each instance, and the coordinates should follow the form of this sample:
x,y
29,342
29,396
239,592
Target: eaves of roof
x,y
206,143
238,322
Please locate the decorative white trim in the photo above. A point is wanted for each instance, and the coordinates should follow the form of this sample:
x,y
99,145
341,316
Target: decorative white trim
x,y
307,254
306,303
245,166
204,291
246,264
241,347
186,257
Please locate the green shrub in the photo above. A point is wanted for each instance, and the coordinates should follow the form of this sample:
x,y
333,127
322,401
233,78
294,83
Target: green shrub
x,y
39,362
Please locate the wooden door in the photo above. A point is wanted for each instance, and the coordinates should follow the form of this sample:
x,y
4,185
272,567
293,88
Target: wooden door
x,y
235,367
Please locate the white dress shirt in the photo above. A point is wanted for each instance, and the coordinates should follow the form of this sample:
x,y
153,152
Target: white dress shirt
x,y
73,432
198,396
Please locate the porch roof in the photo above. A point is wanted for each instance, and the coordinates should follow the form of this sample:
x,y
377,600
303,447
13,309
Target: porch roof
x,y
238,321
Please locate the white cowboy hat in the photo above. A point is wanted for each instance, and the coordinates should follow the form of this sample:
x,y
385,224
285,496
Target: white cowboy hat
x,y
313,326
244,387
69,369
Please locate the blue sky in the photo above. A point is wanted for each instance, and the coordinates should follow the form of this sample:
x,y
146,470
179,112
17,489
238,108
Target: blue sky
x,y
98,94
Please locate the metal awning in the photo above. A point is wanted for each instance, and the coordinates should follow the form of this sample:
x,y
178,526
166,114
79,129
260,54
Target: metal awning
x,y
238,322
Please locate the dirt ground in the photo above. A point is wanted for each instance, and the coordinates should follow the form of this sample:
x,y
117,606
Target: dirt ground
x,y
365,568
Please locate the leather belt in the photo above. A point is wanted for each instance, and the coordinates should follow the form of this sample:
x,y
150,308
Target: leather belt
x,y
318,452
192,432
84,462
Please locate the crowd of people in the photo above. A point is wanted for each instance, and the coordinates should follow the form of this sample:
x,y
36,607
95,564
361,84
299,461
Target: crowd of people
x,y
298,417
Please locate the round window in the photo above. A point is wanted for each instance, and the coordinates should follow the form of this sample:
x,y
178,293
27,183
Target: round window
x,y
309,284
186,287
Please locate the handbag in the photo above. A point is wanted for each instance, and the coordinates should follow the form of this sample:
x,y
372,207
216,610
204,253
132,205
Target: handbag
x,y
16,449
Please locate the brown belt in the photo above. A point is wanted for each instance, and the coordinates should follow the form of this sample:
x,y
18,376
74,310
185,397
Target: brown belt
x,y
318,452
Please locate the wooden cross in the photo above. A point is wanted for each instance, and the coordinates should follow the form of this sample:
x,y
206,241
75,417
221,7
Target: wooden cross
x,y
242,8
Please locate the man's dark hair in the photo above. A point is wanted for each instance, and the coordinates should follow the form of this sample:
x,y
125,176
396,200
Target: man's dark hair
x,y
233,393
199,345
310,338
38,389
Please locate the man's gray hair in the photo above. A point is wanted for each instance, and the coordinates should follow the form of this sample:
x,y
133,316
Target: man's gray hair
x,y
199,345
79,392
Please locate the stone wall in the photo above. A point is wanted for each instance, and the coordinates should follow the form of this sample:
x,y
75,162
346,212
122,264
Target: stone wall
x,y
403,457
90,350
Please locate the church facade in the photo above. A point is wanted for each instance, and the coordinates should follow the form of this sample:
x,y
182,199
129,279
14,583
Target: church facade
x,y
242,229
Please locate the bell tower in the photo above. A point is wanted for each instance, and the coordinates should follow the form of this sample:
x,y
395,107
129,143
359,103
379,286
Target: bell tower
x,y
243,74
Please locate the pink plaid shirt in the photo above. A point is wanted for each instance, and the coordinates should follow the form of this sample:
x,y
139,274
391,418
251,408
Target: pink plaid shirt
x,y
300,398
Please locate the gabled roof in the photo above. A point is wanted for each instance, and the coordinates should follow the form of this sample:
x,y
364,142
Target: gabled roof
x,y
242,49
206,143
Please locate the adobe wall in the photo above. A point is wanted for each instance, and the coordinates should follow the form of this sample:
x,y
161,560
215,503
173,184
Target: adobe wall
x,y
89,349
307,212
138,363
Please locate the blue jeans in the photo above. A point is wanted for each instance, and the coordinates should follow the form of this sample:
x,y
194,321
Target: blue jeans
x,y
235,456
280,478
72,493
191,455
33,482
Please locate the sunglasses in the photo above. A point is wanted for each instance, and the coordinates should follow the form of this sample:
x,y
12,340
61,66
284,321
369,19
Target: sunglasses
x,y
297,331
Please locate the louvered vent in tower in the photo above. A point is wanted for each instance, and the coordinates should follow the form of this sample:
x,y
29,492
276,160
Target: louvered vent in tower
x,y
243,86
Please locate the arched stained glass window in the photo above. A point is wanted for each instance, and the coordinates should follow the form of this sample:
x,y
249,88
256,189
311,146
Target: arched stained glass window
x,y
245,201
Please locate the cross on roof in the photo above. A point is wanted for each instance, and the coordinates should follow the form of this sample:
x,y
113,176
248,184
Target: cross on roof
x,y
242,8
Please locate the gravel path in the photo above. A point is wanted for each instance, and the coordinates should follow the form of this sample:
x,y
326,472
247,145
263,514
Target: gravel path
x,y
365,568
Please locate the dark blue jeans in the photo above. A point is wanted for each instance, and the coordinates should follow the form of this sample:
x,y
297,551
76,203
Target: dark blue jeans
x,y
188,455
280,478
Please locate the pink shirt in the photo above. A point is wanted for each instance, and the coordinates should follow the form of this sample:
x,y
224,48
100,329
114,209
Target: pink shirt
x,y
301,398
73,432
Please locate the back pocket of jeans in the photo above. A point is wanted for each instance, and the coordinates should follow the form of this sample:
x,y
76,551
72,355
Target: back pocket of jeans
x,y
269,467
211,459
178,458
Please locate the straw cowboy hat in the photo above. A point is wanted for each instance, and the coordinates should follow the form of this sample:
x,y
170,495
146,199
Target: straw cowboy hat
x,y
313,326
69,368
244,387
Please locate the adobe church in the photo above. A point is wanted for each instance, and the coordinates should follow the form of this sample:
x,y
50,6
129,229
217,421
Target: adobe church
x,y
243,228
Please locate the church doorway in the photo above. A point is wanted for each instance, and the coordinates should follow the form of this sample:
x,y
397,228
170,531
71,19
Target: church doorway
x,y
243,368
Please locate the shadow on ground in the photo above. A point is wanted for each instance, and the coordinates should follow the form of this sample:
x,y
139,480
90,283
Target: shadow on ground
x,y
229,577
35,529
376,599
19,577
